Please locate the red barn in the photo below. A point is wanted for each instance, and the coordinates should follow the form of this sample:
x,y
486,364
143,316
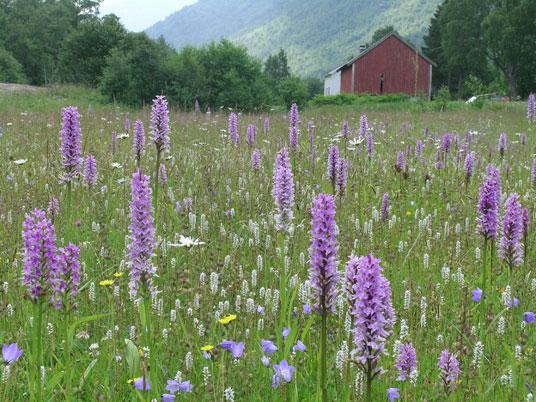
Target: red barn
x,y
391,65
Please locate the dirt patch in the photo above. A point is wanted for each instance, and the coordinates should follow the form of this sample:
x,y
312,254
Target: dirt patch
x,y
13,88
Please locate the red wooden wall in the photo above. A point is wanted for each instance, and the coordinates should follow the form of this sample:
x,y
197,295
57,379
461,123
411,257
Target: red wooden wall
x,y
397,62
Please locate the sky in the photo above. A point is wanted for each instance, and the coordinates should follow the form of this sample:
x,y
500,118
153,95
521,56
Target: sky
x,y
138,15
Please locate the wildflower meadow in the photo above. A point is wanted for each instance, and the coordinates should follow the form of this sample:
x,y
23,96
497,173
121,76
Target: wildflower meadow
x,y
324,254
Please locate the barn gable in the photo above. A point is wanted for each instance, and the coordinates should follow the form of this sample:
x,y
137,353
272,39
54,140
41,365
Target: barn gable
x,y
391,65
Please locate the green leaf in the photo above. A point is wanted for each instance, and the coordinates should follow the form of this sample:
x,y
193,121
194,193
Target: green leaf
x,y
132,357
86,373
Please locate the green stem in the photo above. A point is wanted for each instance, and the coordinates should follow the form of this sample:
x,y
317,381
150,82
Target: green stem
x,y
323,346
37,350
146,336
156,184
484,275
67,357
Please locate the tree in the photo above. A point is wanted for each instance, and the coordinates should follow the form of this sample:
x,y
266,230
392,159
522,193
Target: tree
x,y
510,34
382,32
293,90
84,51
433,49
137,70
457,59
10,68
276,67
232,77
189,78
33,31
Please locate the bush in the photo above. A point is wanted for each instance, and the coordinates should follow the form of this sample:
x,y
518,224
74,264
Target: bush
x,y
357,99
10,69
442,98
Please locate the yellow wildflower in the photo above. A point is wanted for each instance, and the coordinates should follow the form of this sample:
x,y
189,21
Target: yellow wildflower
x,y
227,319
106,282
207,348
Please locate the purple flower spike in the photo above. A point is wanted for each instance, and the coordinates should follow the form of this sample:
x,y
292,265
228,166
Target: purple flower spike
x,y
232,129
160,123
510,245
256,160
370,146
363,126
406,361
71,143
293,128
283,191
501,146
90,170
400,164
384,214
342,175
488,207
162,177
371,308
419,146
139,139
53,208
533,174
345,129
323,274
251,133
333,160
67,280
526,222
531,108
40,265
468,165
450,370
141,234
11,353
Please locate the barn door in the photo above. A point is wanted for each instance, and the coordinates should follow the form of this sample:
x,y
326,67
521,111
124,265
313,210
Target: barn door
x,y
381,83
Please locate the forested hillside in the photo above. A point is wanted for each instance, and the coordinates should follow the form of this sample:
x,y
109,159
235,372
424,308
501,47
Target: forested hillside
x,y
316,34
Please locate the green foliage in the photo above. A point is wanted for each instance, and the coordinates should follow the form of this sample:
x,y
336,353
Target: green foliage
x,y
442,98
276,68
503,32
232,77
10,69
293,90
136,70
33,31
510,35
316,35
84,51
380,33
357,99
474,85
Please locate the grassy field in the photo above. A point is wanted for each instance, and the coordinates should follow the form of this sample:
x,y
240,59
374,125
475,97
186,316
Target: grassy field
x,y
430,250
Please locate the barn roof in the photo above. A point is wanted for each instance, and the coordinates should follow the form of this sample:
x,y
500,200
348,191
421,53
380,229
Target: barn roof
x,y
378,43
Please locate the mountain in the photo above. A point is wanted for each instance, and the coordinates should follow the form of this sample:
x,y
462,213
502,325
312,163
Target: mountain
x,y
317,35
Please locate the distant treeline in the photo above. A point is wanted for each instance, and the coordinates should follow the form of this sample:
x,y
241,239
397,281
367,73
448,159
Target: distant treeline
x,y
66,41
483,46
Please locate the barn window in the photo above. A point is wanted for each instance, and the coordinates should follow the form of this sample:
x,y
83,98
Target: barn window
x,y
381,83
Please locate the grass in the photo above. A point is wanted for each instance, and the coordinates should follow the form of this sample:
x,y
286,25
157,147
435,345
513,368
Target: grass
x,y
428,251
